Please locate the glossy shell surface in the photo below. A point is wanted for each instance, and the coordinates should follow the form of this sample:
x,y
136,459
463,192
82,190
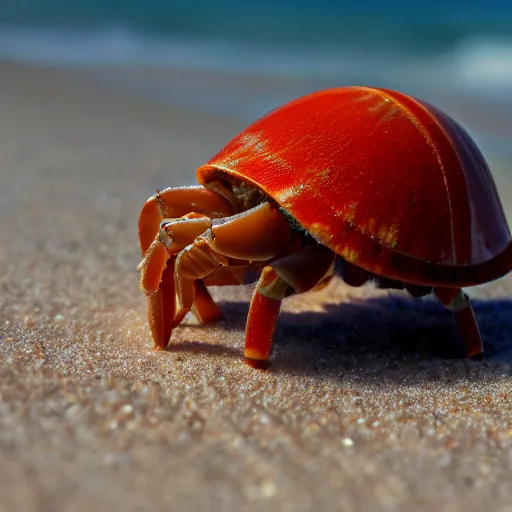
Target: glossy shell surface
x,y
387,181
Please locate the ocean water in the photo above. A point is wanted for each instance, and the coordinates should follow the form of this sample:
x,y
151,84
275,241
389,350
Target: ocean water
x,y
456,53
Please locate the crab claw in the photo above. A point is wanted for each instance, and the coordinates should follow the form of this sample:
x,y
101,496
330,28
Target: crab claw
x,y
157,282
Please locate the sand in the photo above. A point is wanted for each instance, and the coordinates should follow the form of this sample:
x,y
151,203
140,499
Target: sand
x,y
365,406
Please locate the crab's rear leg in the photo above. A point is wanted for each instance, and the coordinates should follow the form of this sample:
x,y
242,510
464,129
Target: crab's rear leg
x,y
458,302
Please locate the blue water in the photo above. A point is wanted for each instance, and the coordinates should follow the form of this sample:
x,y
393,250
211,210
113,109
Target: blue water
x,y
424,25
437,49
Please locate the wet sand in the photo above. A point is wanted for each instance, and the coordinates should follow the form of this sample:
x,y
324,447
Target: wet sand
x,y
365,406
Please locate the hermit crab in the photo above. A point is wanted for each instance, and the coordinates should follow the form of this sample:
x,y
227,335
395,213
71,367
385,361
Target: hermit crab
x,y
365,183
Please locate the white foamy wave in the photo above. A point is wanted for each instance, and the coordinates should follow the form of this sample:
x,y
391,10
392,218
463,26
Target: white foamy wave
x,y
485,63
477,65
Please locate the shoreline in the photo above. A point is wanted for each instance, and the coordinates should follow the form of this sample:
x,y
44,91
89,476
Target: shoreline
x,y
243,95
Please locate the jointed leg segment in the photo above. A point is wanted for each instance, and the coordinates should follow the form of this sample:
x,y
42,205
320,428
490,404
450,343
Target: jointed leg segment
x,y
262,319
458,302
294,273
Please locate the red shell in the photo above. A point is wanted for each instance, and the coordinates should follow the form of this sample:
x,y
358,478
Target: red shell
x,y
389,182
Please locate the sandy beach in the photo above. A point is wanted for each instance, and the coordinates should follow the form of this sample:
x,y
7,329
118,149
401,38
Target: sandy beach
x,y
365,407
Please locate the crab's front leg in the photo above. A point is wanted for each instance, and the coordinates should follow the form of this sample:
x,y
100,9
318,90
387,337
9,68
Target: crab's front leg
x,y
173,203
171,271
157,266
240,242
157,282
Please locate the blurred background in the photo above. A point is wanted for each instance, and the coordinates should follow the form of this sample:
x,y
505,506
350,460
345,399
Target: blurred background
x,y
242,57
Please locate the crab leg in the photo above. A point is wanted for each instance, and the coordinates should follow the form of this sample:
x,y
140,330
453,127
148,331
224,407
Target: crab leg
x,y
161,307
295,273
227,239
257,234
172,203
262,318
204,307
157,266
192,264
457,301
157,282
